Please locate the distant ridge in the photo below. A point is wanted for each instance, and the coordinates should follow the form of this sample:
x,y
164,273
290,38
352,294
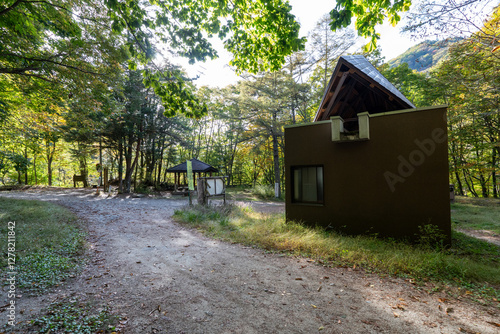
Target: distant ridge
x,y
424,55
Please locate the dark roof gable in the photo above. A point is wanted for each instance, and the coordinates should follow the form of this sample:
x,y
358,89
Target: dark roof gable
x,y
357,86
198,167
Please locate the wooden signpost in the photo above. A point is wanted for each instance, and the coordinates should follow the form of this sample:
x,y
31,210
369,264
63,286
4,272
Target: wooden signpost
x,y
211,187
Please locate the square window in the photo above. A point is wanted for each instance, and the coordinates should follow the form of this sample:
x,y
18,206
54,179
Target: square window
x,y
307,184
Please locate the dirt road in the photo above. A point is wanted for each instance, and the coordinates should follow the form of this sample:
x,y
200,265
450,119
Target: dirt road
x,y
163,278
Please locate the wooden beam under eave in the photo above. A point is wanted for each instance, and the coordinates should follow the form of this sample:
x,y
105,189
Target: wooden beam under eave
x,y
336,108
344,97
375,87
337,90
360,100
380,90
326,101
326,96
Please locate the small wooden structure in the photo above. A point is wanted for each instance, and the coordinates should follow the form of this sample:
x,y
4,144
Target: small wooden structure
x,y
80,178
213,186
370,163
181,170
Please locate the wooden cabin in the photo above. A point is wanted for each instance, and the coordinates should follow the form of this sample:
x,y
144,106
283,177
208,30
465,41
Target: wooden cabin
x,y
370,163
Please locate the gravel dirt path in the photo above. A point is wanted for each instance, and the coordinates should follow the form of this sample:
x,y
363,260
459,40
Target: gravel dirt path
x,y
485,235
161,277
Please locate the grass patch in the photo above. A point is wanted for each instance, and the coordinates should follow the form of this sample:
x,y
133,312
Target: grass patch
x,y
257,193
47,243
476,214
469,263
263,191
73,316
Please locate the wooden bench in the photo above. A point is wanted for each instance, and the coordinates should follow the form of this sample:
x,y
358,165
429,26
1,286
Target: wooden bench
x,y
80,178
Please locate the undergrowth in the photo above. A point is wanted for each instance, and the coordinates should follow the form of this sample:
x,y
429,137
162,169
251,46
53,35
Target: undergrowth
x,y
469,263
48,243
265,192
74,316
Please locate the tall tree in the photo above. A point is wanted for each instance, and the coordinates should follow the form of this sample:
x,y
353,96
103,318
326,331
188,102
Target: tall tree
x,y
56,40
472,85
447,18
368,15
266,97
438,16
326,46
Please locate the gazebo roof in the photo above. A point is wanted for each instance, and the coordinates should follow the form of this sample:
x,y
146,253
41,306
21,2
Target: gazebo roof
x,y
198,167
357,86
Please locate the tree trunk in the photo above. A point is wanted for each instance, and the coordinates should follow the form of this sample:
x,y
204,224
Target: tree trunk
x,y
100,161
50,158
276,160
459,183
130,165
454,154
34,168
160,163
470,184
135,177
325,80
494,172
141,174
26,170
49,171
120,166
231,160
150,163
484,185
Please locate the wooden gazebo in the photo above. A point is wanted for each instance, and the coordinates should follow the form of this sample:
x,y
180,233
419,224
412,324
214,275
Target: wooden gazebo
x,y
198,167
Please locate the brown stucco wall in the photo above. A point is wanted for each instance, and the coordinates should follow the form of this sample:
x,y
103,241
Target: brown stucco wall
x,y
390,184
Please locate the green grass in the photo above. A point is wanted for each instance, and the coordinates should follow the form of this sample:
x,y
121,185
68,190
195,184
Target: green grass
x,y
74,316
257,193
469,263
476,214
48,243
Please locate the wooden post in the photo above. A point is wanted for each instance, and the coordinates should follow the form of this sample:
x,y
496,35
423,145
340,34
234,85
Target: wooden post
x,y
105,179
202,199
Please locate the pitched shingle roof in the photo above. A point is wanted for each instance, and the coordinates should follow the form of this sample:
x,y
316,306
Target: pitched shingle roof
x,y
198,167
357,86
362,64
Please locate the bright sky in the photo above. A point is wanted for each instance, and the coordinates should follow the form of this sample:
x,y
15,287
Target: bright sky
x,y
307,12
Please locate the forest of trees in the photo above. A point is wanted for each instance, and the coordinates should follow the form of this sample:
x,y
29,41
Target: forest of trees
x,y
80,88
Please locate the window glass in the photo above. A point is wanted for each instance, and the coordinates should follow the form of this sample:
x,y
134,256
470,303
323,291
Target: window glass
x,y
319,175
307,184
296,184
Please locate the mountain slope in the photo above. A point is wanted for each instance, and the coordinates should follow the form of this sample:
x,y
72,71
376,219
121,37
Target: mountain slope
x,y
425,55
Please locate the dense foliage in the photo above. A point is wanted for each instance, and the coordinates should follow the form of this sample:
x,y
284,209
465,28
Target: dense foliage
x,y
97,92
